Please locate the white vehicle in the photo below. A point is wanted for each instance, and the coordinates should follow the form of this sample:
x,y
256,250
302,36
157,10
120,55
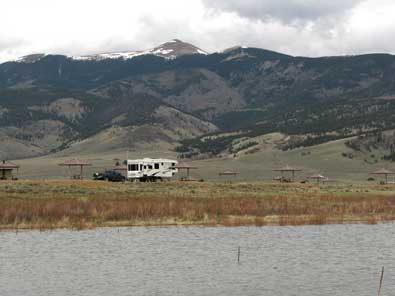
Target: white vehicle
x,y
149,169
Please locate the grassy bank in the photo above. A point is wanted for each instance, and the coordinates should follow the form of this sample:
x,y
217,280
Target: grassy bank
x,y
89,204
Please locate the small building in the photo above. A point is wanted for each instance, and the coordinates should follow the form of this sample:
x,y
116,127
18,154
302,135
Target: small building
x,y
384,172
75,163
183,166
317,177
285,169
6,170
228,174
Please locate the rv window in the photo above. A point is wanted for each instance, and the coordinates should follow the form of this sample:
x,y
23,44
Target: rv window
x,y
145,167
156,166
133,167
162,163
150,167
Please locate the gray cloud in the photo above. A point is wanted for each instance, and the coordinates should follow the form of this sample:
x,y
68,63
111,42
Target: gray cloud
x,y
296,27
286,11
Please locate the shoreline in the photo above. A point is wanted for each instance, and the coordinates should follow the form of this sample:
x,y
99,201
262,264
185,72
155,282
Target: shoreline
x,y
65,204
127,224
237,221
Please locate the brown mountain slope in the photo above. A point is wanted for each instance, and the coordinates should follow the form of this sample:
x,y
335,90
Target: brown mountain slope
x,y
192,90
170,127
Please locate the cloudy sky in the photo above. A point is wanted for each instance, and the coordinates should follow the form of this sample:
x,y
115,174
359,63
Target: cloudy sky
x,y
297,27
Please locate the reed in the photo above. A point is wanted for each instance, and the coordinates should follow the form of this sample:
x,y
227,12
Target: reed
x,y
87,204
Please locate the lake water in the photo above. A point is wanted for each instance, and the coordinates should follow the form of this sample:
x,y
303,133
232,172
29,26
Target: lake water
x,y
308,260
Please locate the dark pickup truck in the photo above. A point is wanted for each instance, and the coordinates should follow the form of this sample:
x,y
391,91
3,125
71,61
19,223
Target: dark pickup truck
x,y
112,176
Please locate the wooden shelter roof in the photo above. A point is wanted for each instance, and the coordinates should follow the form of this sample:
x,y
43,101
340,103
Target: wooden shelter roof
x,y
317,176
383,172
228,173
6,165
75,162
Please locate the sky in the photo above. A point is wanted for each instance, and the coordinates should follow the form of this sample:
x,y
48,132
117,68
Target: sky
x,y
296,27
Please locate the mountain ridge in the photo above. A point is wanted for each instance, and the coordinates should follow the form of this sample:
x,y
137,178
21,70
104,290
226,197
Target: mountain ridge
x,y
161,51
241,93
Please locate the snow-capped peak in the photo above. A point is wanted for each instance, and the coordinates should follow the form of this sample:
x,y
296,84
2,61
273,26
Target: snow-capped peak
x,y
169,50
176,48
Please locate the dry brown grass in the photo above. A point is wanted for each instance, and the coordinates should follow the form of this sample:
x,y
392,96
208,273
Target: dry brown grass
x,y
88,204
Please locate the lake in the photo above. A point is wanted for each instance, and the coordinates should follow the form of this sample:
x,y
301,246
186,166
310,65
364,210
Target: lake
x,y
304,260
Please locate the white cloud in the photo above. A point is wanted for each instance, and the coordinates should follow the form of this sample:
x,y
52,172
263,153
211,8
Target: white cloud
x,y
297,27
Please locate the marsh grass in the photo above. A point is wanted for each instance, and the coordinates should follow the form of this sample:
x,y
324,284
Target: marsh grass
x,y
88,204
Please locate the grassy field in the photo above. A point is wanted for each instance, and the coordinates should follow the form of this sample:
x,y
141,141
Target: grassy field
x,y
325,159
89,204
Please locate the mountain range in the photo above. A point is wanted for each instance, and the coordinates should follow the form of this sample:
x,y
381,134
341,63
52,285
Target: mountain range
x,y
180,97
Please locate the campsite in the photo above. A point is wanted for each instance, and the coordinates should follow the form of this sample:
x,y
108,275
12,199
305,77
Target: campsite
x,y
243,191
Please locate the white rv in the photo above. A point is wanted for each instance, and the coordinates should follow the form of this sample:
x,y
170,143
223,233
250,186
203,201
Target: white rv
x,y
148,169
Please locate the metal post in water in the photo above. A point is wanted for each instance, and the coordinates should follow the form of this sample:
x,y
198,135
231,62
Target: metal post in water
x,y
381,281
238,256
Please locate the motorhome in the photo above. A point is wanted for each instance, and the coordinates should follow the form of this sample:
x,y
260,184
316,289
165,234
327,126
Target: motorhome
x,y
149,169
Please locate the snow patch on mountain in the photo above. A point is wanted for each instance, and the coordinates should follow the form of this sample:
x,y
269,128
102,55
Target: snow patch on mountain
x,y
169,50
111,55
32,58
